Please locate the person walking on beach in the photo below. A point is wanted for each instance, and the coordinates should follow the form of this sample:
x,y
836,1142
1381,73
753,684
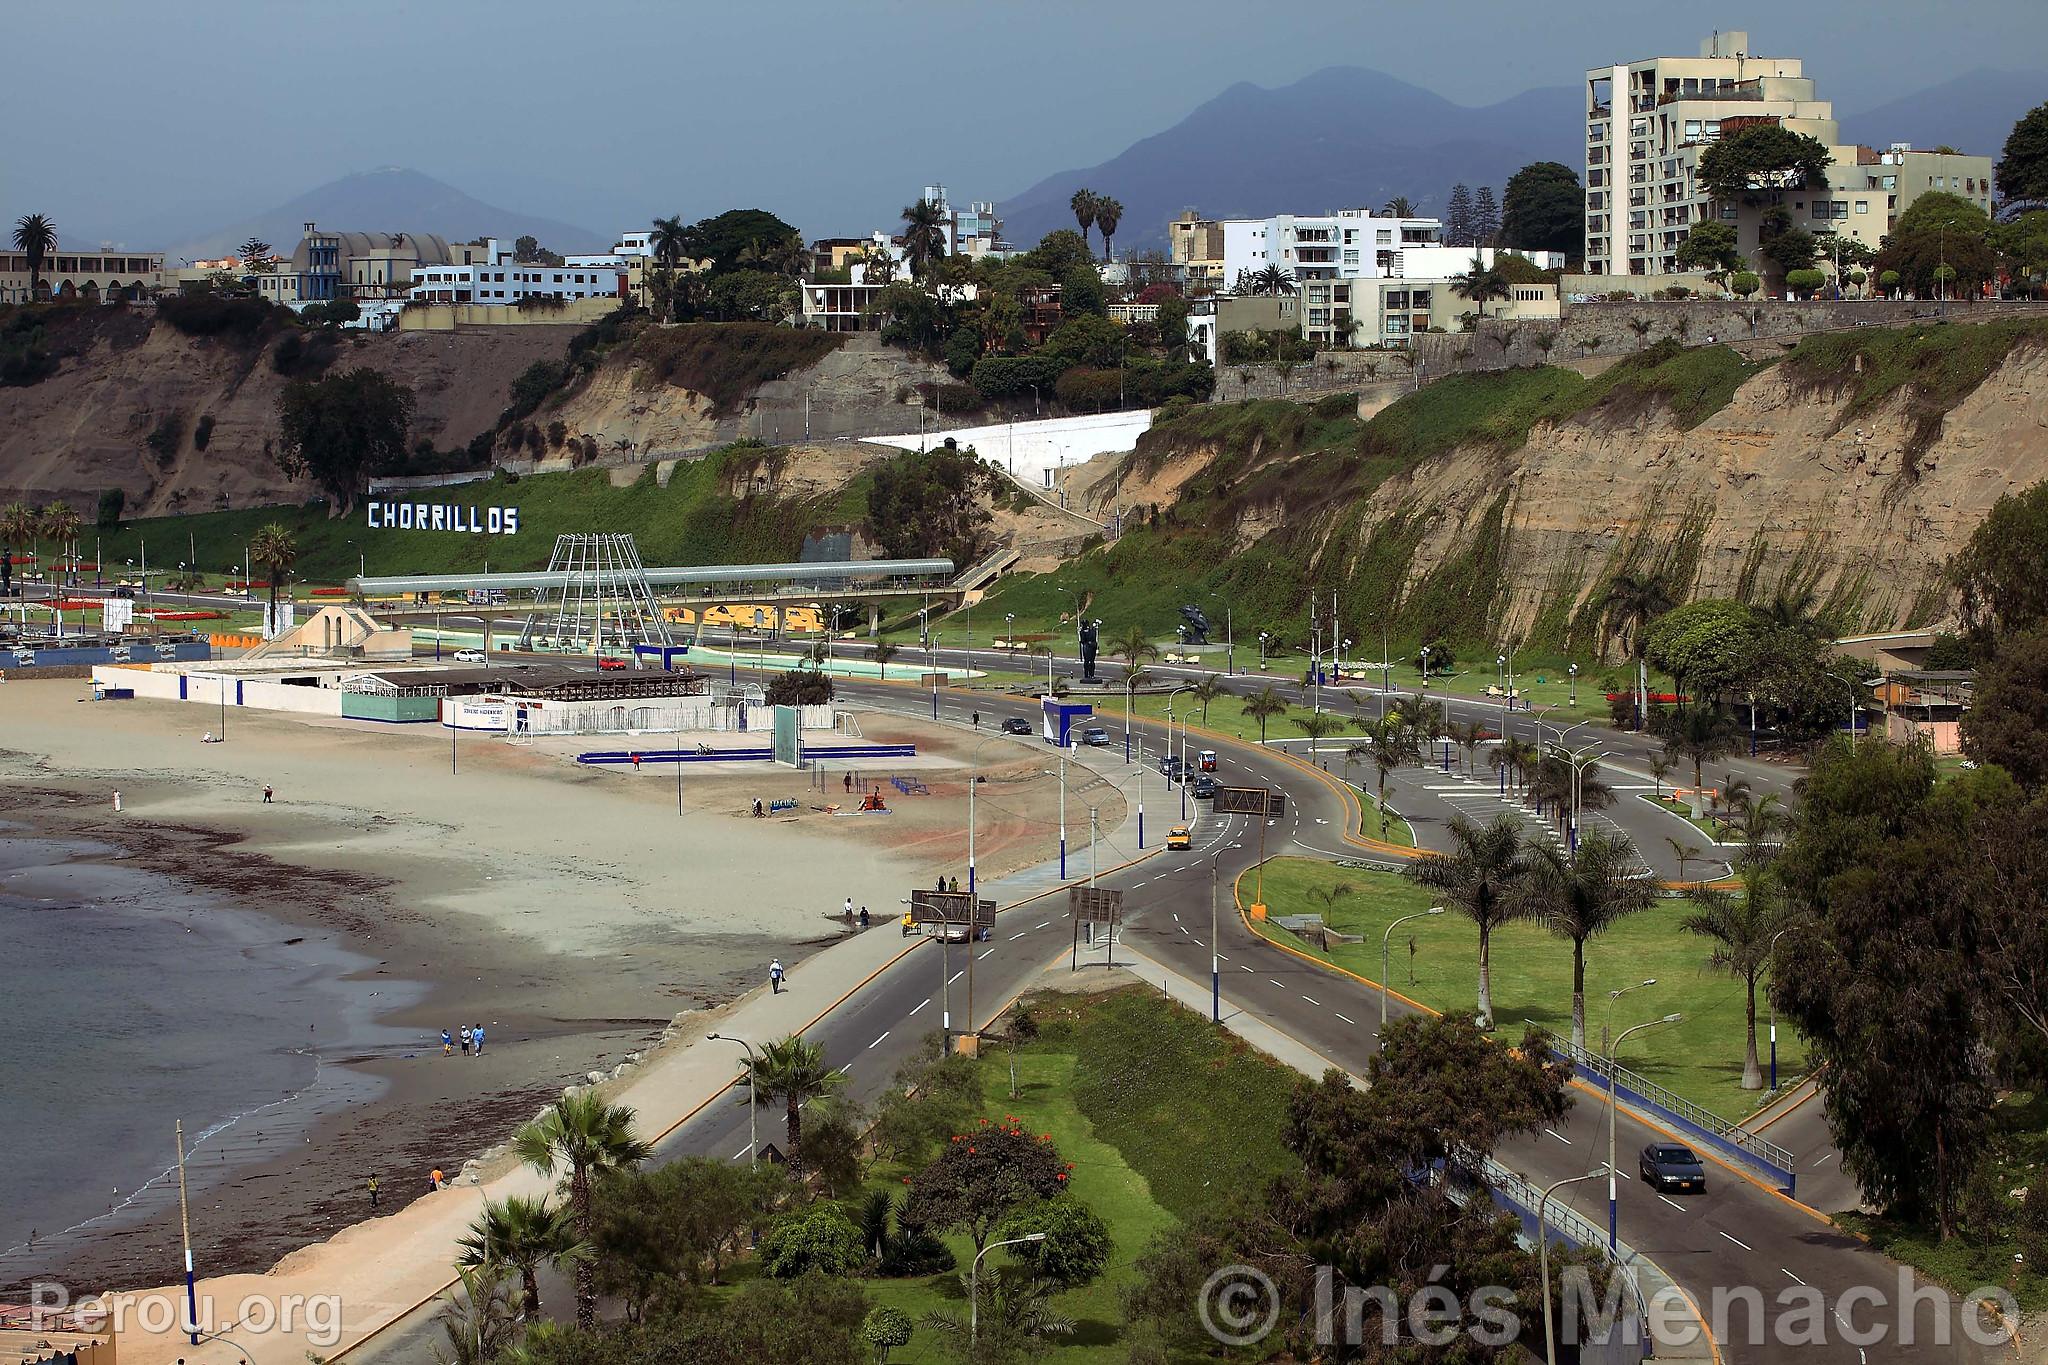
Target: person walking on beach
x,y
266,793
849,909
636,763
849,784
479,1037
447,1044
465,1040
775,977
373,1194
863,917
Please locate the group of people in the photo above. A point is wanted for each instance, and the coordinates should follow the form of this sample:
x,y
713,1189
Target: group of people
x,y
472,1040
851,918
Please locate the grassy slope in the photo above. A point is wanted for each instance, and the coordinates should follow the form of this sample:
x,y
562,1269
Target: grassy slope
x,y
1935,366
1159,1113
1700,1058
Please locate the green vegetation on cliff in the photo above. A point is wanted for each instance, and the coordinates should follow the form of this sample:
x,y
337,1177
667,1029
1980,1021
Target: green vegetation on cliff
x,y
1932,367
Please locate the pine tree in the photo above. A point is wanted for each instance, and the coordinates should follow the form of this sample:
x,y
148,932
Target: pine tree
x,y
1458,217
1485,217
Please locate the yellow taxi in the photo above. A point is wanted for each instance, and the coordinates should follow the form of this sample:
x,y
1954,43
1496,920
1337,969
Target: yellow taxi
x,y
1180,836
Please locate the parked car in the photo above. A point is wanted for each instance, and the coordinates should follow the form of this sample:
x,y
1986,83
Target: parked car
x,y
1179,837
1016,725
1170,768
1205,787
611,663
1096,737
1671,1166
469,656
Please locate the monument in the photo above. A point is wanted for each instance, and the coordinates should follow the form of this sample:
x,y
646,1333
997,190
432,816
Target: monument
x,y
1194,628
1088,650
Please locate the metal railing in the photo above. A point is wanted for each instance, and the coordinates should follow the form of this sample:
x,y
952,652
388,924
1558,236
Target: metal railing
x,y
1604,1073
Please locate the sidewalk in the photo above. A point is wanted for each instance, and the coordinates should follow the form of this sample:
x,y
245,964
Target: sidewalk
x,y
382,1269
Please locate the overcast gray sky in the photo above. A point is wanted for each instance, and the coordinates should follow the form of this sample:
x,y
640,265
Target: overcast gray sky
x,y
151,121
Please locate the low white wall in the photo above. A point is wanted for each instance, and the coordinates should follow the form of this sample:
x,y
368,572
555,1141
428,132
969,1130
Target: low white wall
x,y
654,715
1031,450
275,696
205,689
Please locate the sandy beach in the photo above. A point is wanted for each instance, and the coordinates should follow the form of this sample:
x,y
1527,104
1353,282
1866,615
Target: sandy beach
x,y
572,911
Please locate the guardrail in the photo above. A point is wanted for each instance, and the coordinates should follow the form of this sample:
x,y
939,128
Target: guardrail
x,y
1725,1134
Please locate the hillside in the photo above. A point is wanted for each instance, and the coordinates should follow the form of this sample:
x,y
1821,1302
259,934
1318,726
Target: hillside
x,y
1340,138
1497,506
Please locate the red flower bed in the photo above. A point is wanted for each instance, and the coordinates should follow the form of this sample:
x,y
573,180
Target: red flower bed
x,y
184,615
78,604
330,592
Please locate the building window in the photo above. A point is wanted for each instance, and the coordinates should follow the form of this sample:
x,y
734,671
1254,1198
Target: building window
x,y
1863,206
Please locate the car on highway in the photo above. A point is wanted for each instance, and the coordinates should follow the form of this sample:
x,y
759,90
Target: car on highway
x,y
1204,788
1095,737
1179,837
469,656
611,663
1016,725
1171,768
1671,1166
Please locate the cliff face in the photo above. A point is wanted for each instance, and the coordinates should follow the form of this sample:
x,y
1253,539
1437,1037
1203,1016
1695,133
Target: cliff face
x,y
87,427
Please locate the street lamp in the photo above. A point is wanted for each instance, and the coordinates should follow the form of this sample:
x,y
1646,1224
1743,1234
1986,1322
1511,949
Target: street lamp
x,y
974,1281
1183,746
1386,940
1216,952
753,1096
1229,637
1573,669
1425,665
1263,637
1543,1256
1769,951
1612,1205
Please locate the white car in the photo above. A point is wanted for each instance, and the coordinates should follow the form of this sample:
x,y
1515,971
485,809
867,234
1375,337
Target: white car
x,y
469,656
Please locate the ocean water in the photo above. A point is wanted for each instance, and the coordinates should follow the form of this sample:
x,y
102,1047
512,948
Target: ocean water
x,y
128,1002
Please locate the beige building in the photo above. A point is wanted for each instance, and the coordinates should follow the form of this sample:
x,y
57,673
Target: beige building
x,y
1197,243
95,276
1209,319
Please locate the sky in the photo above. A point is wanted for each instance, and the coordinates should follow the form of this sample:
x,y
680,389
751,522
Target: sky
x,y
150,121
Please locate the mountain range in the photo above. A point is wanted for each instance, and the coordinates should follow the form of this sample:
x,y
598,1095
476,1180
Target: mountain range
x,y
391,199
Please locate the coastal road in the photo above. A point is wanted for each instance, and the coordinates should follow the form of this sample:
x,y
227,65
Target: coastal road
x,y
1737,1237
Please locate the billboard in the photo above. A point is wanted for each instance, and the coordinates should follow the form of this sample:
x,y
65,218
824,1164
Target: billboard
x,y
950,907
1096,905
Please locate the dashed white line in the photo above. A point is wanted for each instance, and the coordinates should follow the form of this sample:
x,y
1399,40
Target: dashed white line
x,y
1313,1001
956,976
1738,1241
1015,937
885,1034
985,953
1675,1205
1276,983
1222,958
922,1003
1348,1021
1825,1160
1046,925
1790,1276
1559,1136
1241,967
743,1151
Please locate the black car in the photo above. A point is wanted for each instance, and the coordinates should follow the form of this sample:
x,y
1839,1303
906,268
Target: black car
x,y
1670,1166
1016,725
1170,768
1205,787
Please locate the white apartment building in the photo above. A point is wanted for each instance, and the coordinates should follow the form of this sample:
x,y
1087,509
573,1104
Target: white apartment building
x,y
972,230
1648,122
1349,244
499,279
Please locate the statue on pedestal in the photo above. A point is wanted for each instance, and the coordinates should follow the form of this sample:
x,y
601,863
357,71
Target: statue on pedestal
x,y
1087,651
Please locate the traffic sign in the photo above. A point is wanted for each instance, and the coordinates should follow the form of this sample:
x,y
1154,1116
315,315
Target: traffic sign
x,y
1251,801
950,907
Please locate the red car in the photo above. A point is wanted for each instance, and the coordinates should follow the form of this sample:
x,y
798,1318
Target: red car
x,y
611,663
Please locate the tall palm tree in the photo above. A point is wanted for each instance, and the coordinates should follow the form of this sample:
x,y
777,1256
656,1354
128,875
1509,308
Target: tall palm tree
x,y
924,237
18,527
1389,743
1479,878
1518,756
1273,281
1108,213
1631,602
523,1234
1400,206
883,653
793,1070
36,237
1318,726
1262,706
275,550
1083,205
1582,895
669,242
1761,821
1479,283
1467,735
1206,689
1134,647
1741,928
59,523
580,1135
1698,735
480,1323
1424,717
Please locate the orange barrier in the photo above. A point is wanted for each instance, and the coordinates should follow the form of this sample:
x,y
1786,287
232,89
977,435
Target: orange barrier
x,y
222,641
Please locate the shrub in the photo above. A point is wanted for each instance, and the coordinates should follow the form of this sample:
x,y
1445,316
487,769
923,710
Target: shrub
x,y
168,437
1000,377
820,1238
203,313
1090,390
1805,281
799,687
1744,283
305,355
112,501
558,432
202,432
533,386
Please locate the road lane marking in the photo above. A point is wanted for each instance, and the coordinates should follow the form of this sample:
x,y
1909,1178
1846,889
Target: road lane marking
x,y
921,1004
1825,1160
1276,983
956,976
1015,937
1352,1022
743,1151
1559,1136
1738,1241
985,953
1679,1207
1317,1003
1046,925
1794,1278
1241,967
885,1034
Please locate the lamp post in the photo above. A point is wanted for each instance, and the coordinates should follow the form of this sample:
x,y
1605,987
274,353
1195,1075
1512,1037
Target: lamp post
x,y
1425,665
1229,637
753,1096
1386,940
1263,637
974,1281
1500,673
1573,670
1769,951
1543,1257
1183,747
1612,1204
1216,951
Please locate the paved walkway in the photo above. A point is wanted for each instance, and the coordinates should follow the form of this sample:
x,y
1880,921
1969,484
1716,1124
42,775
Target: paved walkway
x,y
380,1270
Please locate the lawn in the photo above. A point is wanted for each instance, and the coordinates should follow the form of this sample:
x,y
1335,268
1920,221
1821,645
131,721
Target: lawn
x,y
1160,1113
1435,962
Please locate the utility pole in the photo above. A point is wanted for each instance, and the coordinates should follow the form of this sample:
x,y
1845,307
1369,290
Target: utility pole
x,y
185,1229
1215,950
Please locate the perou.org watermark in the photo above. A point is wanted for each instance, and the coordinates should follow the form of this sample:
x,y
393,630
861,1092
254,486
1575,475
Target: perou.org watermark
x,y
1240,1305
314,1319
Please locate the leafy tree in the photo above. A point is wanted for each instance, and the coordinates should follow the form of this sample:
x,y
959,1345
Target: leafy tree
x,y
725,239
2007,722
1076,1247
663,1231
1710,245
886,1329
1390,742
1485,217
112,501
1763,156
274,550
751,296
1543,209
1792,250
820,1239
1081,294
1888,281
1940,230
793,1070
924,237
1582,895
2002,570
931,502
1262,706
256,255
2023,242
1478,877
2022,168
1479,283
580,1135
1057,253
1711,645
1744,283
980,1176
36,237
1083,205
1108,213
799,687
336,430
1173,325
522,1234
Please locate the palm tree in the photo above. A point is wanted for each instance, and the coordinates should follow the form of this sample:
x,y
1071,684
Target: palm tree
x,y
877,266
1083,205
883,653
1741,928
1684,852
36,236
1631,602
1698,735
1582,895
1133,646
1273,281
1479,283
1400,206
18,527
1389,742
1318,726
1467,736
580,1135
59,523
1206,689
924,237
669,242
1015,1317
1518,756
1108,213
1262,706
481,1324
1761,822
523,1234
1479,878
1661,767
274,549
793,1070
1424,717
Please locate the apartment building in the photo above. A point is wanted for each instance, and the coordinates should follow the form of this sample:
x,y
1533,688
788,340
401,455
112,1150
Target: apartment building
x,y
1649,122
1350,244
972,230
495,277
1195,244
100,275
